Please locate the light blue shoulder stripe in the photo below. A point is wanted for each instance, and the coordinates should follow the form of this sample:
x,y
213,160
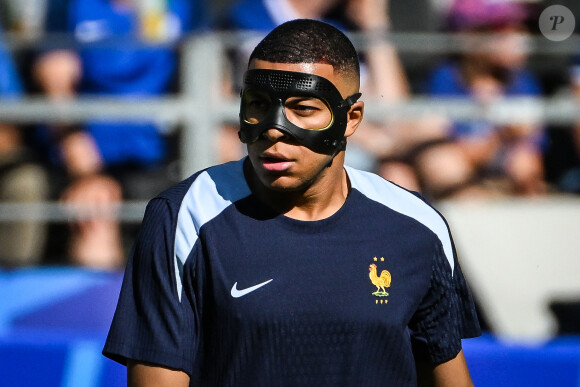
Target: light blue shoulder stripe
x,y
396,198
212,192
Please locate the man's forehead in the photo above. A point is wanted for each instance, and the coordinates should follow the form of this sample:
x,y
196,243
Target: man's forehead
x,y
344,84
293,82
324,70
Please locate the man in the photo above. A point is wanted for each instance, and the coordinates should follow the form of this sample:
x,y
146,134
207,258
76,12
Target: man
x,y
263,272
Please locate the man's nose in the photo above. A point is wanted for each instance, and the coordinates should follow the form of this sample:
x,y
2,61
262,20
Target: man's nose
x,y
274,135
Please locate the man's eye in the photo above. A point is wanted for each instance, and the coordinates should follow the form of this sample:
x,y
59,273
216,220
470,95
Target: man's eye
x,y
257,104
306,108
303,109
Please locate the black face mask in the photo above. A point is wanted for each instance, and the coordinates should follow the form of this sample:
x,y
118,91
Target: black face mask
x,y
307,107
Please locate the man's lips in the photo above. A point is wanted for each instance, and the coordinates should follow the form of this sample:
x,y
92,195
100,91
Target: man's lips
x,y
275,163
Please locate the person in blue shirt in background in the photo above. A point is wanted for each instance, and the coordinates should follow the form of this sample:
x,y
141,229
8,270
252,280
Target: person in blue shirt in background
x,y
116,53
22,179
477,158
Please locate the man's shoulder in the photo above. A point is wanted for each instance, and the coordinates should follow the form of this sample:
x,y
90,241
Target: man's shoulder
x,y
405,202
377,188
392,195
214,187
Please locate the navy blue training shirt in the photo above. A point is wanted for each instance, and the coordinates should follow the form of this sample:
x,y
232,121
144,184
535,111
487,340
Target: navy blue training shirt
x,y
221,287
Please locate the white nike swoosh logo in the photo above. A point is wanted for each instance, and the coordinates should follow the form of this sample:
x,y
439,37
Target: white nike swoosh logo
x,y
239,293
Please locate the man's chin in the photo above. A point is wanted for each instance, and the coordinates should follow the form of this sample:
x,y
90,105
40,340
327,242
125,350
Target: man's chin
x,y
282,184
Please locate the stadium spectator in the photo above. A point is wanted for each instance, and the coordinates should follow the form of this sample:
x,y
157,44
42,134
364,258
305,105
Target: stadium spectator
x,y
381,70
125,49
477,156
22,179
562,156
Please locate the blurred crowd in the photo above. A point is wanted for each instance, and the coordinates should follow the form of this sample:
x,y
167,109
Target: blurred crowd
x,y
130,49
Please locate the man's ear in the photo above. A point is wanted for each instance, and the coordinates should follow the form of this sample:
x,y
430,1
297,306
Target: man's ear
x,y
354,118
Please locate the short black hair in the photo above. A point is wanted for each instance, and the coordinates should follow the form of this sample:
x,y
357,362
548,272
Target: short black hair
x,y
309,41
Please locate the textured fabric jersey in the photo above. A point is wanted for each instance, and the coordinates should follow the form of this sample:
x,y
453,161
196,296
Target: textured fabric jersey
x,y
236,295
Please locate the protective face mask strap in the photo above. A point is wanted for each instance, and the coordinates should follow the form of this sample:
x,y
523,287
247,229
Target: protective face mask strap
x,y
350,100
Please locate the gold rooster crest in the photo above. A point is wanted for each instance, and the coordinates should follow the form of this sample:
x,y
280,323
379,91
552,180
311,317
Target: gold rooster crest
x,y
382,281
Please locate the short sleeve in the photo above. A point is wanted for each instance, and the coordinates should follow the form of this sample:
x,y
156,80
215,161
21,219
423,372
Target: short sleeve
x,y
151,324
446,314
